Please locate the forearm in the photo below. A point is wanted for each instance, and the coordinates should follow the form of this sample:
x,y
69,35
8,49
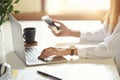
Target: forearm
x,y
75,33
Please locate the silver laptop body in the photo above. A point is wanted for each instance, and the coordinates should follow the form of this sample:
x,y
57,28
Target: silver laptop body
x,y
18,45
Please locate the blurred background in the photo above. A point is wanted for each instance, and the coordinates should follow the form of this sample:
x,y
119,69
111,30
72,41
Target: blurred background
x,y
62,9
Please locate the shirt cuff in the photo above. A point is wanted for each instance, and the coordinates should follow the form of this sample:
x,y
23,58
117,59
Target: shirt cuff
x,y
82,53
83,37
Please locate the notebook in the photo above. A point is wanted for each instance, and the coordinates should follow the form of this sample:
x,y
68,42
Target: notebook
x,y
28,55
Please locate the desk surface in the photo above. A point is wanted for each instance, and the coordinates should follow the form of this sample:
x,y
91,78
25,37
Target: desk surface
x,y
83,69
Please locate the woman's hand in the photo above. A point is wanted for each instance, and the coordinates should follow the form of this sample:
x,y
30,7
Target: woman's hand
x,y
53,51
65,31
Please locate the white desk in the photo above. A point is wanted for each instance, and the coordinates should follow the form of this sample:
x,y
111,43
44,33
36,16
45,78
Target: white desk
x,y
83,69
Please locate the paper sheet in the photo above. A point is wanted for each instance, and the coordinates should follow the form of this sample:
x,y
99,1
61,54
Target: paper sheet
x,y
33,75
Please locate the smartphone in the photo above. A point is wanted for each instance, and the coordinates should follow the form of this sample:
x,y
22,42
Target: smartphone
x,y
50,22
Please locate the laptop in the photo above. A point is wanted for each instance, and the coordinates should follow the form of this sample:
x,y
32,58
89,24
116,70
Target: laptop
x,y
28,55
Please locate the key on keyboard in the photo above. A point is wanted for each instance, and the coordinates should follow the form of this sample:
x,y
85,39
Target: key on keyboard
x,y
32,54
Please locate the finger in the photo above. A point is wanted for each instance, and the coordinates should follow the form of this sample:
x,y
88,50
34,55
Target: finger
x,y
52,31
55,51
59,34
41,57
49,27
43,54
56,34
46,52
50,48
50,54
56,21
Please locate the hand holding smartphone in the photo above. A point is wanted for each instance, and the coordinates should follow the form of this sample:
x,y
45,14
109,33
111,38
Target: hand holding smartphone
x,y
50,22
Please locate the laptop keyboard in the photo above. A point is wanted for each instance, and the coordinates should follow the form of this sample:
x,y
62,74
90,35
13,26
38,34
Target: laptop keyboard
x,y
32,54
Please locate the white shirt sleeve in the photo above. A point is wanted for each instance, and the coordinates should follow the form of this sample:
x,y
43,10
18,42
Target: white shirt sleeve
x,y
110,47
96,36
99,51
113,44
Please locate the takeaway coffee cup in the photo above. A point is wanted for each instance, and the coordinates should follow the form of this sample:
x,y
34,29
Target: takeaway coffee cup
x,y
29,35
